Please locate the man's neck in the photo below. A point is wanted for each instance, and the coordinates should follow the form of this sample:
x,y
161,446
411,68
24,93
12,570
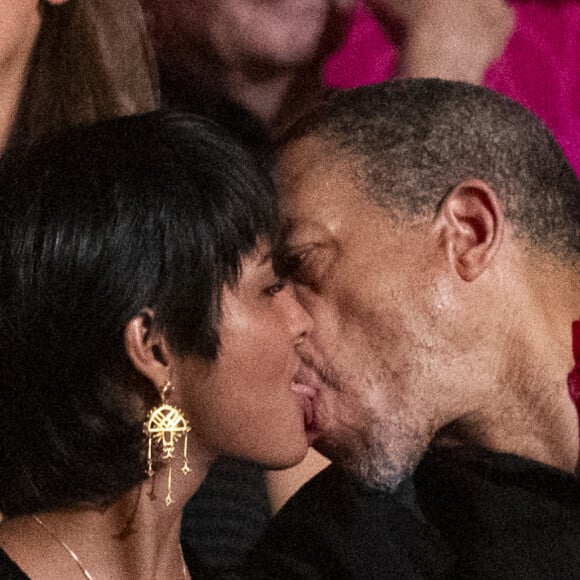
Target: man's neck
x,y
531,412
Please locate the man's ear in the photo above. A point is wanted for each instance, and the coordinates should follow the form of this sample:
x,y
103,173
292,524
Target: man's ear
x,y
474,225
146,348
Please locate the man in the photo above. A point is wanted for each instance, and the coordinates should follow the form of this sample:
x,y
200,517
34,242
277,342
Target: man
x,y
433,231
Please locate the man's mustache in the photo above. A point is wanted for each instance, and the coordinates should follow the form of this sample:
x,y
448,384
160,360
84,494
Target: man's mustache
x,y
320,373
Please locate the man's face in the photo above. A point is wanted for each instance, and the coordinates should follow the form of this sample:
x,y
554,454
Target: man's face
x,y
379,293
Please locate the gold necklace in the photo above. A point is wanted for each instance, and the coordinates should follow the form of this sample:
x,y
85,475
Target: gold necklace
x,y
72,554
85,572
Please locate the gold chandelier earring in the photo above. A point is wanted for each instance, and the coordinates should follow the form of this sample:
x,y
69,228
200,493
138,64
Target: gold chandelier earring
x,y
166,424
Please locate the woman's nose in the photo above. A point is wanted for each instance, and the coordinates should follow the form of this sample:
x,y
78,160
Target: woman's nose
x,y
300,321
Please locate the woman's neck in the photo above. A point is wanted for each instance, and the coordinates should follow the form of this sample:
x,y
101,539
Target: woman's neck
x,y
137,537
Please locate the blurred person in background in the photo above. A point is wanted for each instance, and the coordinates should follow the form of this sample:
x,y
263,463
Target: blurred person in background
x,y
536,65
269,56
70,62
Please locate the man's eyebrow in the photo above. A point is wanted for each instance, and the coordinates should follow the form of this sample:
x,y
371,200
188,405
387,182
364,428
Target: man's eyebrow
x,y
280,247
286,230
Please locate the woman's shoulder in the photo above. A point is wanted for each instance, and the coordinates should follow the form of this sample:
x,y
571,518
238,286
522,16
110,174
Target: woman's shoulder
x,y
9,570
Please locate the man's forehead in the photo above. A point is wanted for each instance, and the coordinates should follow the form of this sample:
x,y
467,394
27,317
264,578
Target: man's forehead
x,y
304,153
320,200
313,179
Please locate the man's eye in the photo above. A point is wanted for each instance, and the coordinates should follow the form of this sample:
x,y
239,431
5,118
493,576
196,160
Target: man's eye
x,y
303,268
276,288
292,265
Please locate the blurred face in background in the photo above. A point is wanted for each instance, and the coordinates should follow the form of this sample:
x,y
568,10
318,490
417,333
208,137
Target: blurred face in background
x,y
283,33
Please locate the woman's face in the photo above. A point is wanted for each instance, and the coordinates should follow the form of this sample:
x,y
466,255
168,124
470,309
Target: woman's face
x,y
246,403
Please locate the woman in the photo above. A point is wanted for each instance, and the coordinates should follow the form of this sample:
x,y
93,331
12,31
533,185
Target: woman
x,y
142,329
67,62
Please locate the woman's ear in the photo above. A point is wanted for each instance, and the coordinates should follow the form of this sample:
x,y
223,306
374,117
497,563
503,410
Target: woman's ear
x,y
474,225
146,348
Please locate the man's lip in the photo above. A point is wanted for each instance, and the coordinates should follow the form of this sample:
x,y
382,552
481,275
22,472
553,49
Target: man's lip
x,y
304,389
308,375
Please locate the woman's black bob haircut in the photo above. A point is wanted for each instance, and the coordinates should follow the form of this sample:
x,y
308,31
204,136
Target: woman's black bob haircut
x,y
96,224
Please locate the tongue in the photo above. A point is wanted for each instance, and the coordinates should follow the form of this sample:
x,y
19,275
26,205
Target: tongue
x,y
308,393
304,389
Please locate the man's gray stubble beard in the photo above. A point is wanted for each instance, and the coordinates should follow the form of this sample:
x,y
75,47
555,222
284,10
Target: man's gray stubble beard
x,y
375,462
376,452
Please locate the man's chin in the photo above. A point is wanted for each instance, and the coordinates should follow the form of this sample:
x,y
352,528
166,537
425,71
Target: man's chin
x,y
371,465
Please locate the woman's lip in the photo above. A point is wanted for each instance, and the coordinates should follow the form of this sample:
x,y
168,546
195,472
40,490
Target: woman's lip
x,y
308,395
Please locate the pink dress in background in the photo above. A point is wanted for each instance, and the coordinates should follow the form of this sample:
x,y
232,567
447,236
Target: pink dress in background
x,y
539,68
